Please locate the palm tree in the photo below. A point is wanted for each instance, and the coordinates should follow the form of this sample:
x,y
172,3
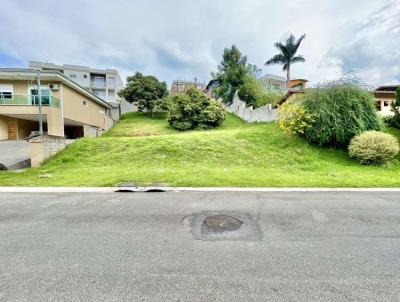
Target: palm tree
x,y
287,55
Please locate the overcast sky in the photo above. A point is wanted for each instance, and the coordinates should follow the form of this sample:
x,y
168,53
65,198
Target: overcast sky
x,y
185,39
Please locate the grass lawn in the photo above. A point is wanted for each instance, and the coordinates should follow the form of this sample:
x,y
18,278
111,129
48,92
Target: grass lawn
x,y
145,151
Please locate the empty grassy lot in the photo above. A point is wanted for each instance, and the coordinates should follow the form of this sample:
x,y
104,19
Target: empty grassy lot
x,y
146,151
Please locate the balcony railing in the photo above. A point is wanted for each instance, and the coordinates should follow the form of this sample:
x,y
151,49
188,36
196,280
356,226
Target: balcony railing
x,y
98,83
30,100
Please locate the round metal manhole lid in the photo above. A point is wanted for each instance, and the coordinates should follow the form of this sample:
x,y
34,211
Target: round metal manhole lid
x,y
221,223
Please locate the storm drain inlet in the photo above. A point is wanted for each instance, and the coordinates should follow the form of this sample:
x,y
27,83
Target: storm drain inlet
x,y
220,224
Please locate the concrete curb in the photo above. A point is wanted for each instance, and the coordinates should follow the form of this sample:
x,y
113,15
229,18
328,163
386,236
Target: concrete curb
x,y
181,189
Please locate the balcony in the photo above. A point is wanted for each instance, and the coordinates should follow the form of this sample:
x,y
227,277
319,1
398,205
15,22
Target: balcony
x,y
98,82
30,100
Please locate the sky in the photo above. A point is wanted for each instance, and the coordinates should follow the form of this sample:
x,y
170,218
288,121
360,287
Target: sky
x,y
185,39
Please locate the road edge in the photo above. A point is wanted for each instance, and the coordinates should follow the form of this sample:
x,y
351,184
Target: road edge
x,y
181,189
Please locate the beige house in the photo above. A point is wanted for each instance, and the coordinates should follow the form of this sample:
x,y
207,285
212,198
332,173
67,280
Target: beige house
x,y
68,109
105,83
385,96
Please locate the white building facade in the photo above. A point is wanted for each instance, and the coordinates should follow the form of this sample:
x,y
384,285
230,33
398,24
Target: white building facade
x,y
104,83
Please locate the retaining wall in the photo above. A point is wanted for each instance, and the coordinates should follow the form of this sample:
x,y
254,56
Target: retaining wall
x,y
250,115
44,146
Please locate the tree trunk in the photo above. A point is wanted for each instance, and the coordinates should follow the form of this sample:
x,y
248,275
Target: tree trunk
x,y
288,78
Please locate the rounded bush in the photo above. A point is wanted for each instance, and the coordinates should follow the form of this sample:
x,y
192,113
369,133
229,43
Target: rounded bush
x,y
193,109
374,147
340,112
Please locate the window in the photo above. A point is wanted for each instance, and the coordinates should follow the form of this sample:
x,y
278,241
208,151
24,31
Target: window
x,y
111,81
99,81
85,76
6,91
378,105
84,103
386,103
72,76
111,95
100,93
34,96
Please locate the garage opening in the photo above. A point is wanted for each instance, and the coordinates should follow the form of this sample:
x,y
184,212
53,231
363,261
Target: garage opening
x,y
73,132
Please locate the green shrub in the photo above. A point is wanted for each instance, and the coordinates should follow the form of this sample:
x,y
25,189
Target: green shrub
x,y
254,94
293,117
388,120
193,109
340,111
374,148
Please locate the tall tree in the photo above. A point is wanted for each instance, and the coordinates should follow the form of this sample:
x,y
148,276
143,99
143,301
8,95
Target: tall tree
x,y
231,73
146,91
287,55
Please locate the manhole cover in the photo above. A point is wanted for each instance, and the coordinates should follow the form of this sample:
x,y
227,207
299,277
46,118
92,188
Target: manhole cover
x,y
221,223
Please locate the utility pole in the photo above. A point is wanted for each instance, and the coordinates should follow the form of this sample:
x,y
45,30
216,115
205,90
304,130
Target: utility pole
x,y
40,103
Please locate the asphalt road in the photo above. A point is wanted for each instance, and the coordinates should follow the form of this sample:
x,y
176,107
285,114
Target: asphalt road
x,y
153,247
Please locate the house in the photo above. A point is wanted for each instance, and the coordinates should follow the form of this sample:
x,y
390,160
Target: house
x,y
181,85
209,89
274,82
385,95
104,83
299,85
296,86
68,109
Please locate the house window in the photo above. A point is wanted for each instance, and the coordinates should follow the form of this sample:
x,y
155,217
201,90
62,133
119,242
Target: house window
x,y
84,103
6,91
85,76
72,76
100,93
378,106
45,93
99,81
111,95
386,103
111,81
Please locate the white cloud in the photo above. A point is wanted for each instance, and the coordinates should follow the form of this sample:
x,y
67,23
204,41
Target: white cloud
x,y
185,39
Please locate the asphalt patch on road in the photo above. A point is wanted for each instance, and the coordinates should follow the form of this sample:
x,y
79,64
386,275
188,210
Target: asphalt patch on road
x,y
223,226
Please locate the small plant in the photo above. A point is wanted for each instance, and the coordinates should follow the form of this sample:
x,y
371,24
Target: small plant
x,y
193,109
374,148
388,120
293,117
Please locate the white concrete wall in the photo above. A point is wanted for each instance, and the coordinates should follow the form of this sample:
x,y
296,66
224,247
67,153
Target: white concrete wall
x,y
385,110
250,115
90,131
121,108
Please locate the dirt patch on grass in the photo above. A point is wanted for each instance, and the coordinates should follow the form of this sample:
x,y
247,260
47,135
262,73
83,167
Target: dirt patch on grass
x,y
144,133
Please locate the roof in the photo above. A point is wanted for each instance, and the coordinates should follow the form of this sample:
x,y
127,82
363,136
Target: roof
x,y
387,89
273,76
211,83
300,80
24,73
